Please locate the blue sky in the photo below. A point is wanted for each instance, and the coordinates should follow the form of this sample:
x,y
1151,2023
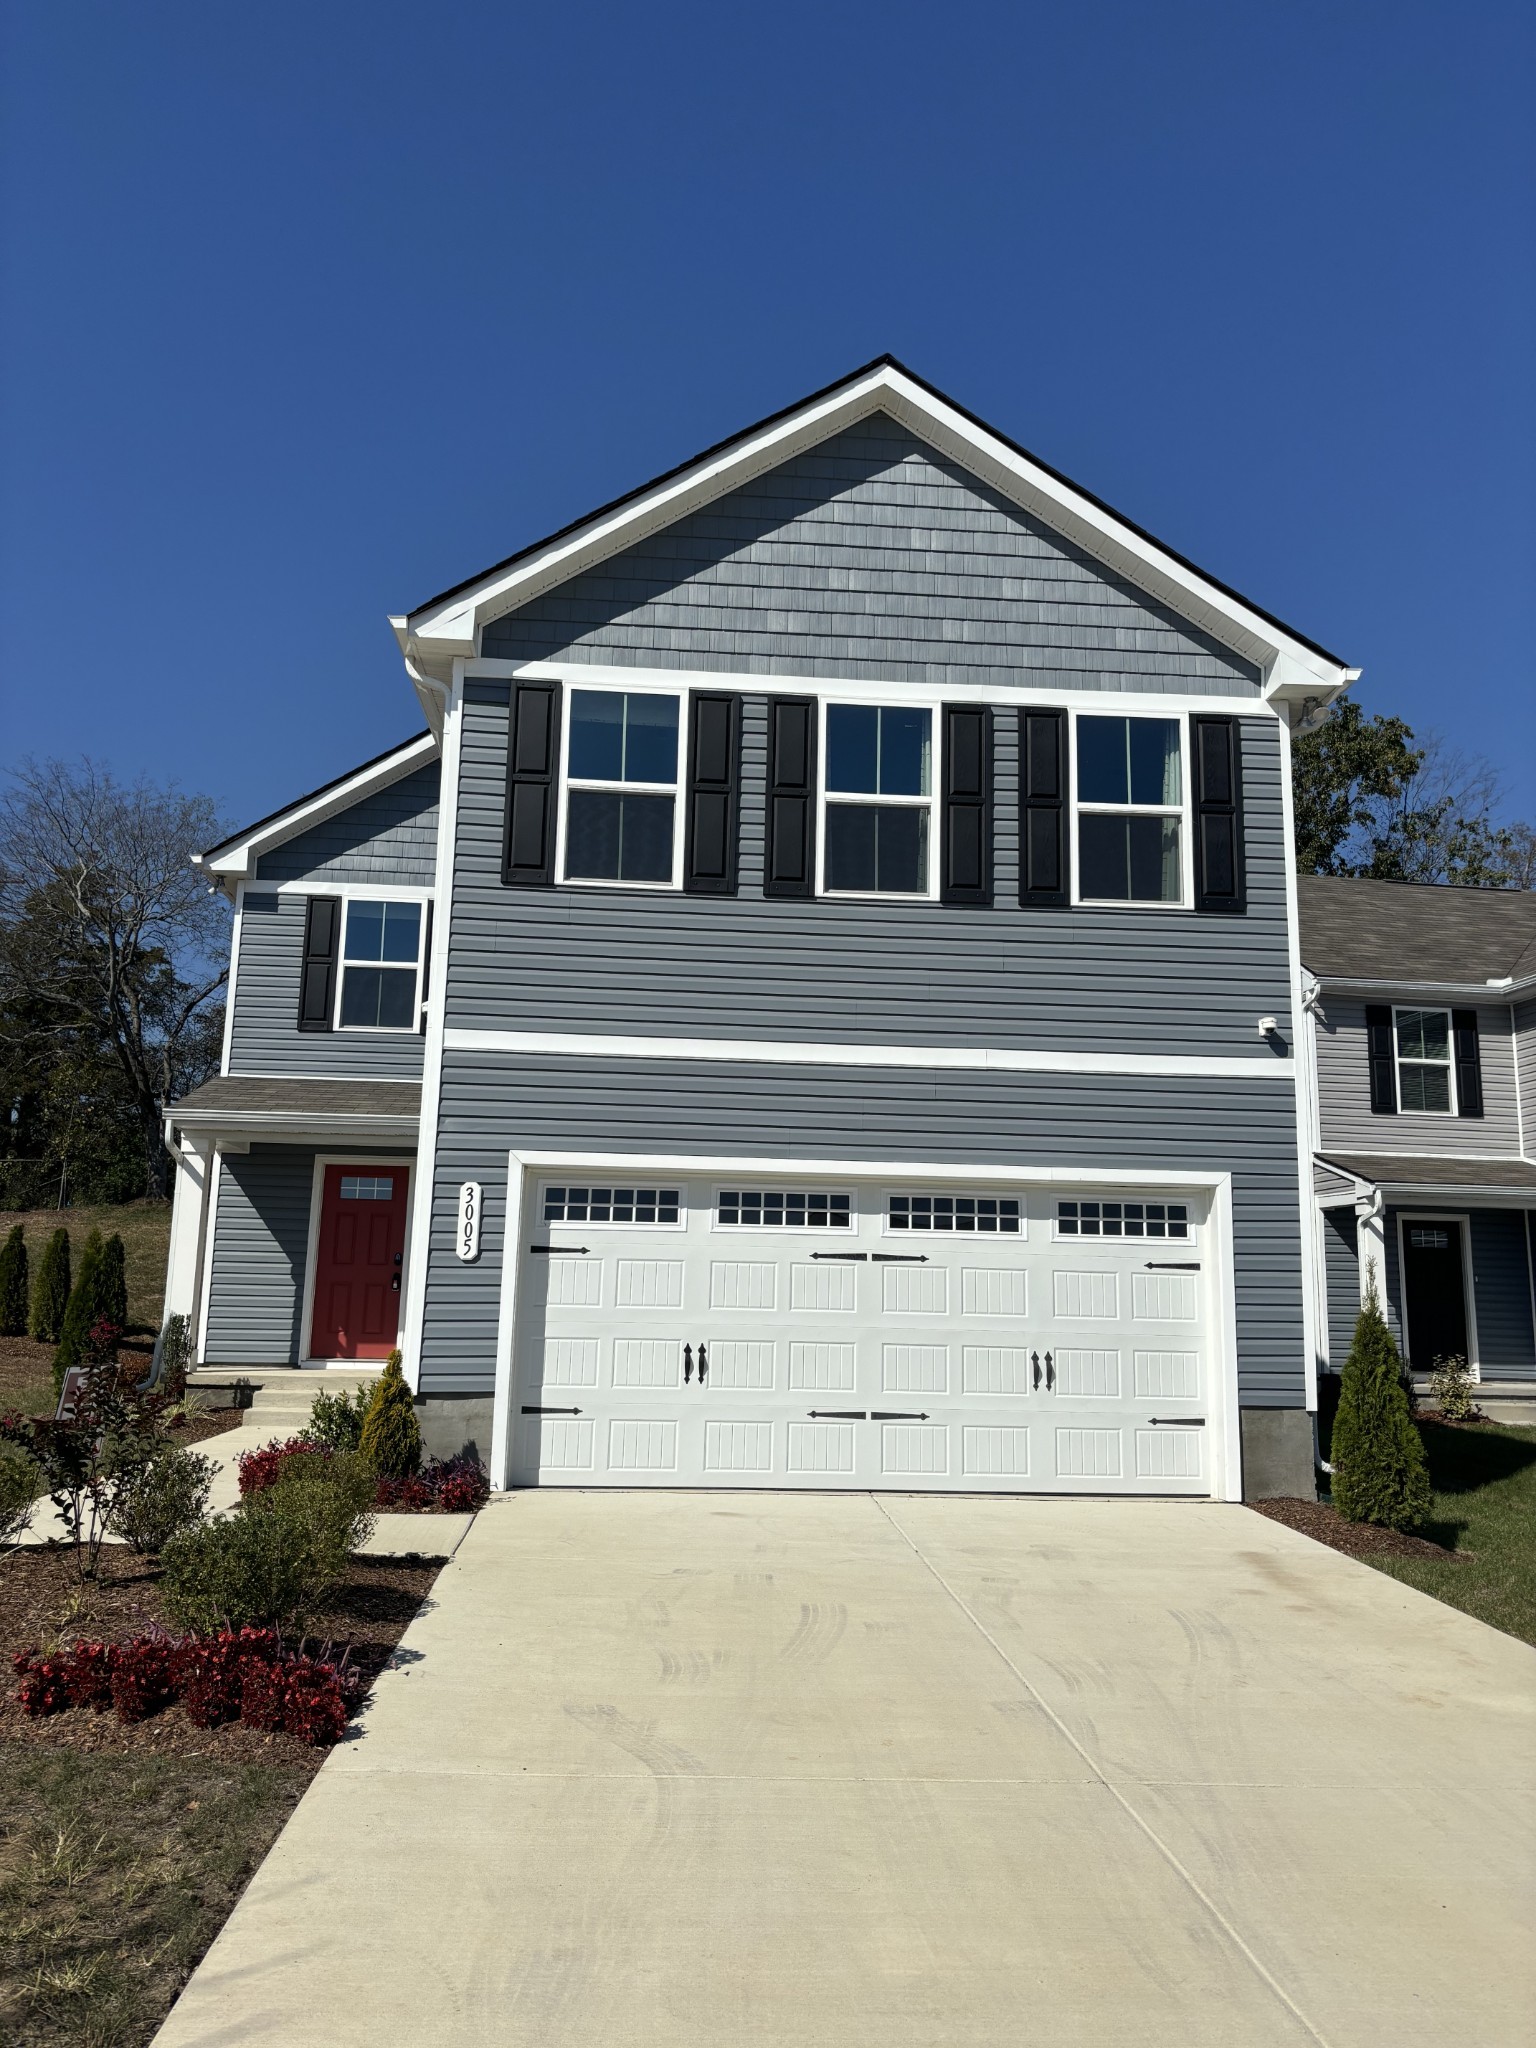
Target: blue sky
x,y
312,310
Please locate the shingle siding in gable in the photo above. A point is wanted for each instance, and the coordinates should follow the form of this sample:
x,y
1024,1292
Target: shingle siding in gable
x,y
873,558
390,836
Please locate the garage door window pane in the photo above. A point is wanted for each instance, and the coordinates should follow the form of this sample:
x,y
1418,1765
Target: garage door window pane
x,y
611,1205
779,1209
1122,1219
984,1215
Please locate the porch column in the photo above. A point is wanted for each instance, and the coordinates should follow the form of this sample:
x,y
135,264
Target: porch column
x,y
1371,1239
189,1229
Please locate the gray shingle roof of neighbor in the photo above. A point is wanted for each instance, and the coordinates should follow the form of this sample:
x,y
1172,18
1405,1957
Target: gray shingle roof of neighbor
x,y
255,1095
1415,931
1400,1169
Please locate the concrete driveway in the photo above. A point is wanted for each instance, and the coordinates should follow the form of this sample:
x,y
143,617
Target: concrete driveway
x,y
850,1770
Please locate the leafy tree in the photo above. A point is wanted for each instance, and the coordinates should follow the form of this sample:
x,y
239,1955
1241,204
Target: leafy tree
x,y
391,1436
13,1284
84,1310
1379,1470
51,1290
112,956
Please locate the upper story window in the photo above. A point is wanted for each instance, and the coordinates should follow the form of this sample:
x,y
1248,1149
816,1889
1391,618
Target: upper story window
x,y
877,835
381,965
1424,1061
621,769
1130,810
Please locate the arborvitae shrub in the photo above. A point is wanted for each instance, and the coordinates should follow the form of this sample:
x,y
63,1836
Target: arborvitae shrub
x,y
391,1438
112,1283
50,1290
1379,1470
13,1284
82,1311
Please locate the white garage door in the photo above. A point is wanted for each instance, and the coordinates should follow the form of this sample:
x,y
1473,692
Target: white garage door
x,y
920,1337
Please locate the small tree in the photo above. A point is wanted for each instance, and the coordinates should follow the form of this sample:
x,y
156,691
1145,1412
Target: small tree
x,y
391,1437
50,1291
112,1283
1379,1470
82,1311
13,1284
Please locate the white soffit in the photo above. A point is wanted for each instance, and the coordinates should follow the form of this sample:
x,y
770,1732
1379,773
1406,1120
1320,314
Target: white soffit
x,y
450,626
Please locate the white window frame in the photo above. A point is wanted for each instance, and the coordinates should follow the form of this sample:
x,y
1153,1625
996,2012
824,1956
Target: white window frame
x,y
422,898
788,1184
1189,1241
610,1179
1425,1010
977,1191
930,802
1181,811
618,683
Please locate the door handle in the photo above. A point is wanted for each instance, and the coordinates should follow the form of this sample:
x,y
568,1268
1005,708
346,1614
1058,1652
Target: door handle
x,y
1050,1373
687,1363
1034,1359
703,1365
394,1285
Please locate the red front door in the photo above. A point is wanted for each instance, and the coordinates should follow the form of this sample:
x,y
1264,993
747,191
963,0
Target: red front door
x,y
360,1263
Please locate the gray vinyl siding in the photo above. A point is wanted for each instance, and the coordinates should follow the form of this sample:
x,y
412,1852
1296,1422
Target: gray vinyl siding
x,y
1525,1069
871,557
1344,1091
260,1242
664,965
1341,1269
1506,1342
492,1103
265,1037
390,836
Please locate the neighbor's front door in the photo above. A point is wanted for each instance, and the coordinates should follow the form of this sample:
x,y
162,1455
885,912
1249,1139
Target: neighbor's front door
x,y
360,1262
1434,1292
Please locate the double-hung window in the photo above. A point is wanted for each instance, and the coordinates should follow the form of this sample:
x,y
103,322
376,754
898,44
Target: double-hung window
x,y
877,831
621,770
1130,810
381,965
1424,1061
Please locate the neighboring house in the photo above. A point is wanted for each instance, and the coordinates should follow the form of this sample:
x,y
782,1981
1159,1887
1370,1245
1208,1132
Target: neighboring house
x,y
1423,1042
817,1009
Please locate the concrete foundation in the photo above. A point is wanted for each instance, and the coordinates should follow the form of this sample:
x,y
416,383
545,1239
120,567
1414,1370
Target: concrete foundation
x,y
451,1423
1277,1454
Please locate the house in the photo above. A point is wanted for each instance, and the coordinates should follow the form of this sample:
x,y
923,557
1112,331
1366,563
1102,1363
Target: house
x,y
1422,1043
817,1007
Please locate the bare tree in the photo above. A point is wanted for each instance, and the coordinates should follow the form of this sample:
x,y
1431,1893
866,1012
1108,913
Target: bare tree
x,y
107,932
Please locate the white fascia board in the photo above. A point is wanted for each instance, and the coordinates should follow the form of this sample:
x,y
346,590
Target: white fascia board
x,y
275,1124
955,1172
449,630
1492,993
235,860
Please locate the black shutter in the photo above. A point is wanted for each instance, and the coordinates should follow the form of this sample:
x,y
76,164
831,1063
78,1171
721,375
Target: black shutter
x,y
1220,883
317,977
1043,859
533,757
966,875
790,868
1469,1064
709,859
1381,1051
426,973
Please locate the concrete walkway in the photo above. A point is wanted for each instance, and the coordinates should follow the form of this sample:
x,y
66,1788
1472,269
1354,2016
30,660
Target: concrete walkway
x,y
705,1771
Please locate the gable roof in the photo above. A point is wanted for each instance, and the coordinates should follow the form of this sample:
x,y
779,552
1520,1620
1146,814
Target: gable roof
x,y
1355,929
448,625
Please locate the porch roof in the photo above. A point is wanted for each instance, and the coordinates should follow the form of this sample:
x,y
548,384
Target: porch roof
x,y
1472,1179
257,1106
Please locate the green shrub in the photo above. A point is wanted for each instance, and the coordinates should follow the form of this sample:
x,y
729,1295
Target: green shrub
x,y
165,1497
1451,1384
13,1284
391,1437
50,1290
112,1284
21,1481
1379,1470
331,1494
175,1357
82,1311
336,1420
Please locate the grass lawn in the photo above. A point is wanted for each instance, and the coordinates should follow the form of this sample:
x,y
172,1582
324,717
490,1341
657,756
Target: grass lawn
x,y
1485,1512
144,1227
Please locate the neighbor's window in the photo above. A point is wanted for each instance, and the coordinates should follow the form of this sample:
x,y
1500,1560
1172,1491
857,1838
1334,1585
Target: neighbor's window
x,y
1424,1060
380,966
1130,796
877,827
621,787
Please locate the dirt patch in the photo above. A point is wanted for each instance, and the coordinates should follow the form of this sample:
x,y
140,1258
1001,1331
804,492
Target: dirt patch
x,y
26,1371
212,1422
1364,1540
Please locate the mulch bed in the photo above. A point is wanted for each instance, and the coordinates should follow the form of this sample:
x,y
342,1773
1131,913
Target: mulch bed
x,y
1325,1524
212,1422
43,1601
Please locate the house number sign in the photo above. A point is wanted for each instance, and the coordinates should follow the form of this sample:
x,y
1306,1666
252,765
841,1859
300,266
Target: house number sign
x,y
468,1245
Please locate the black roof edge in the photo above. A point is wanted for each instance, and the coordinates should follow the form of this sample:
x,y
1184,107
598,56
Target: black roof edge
x,y
335,783
772,419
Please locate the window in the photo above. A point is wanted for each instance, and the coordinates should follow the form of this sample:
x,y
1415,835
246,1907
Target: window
x,y
367,1187
1426,1240
620,810
877,819
1424,1060
1130,796
612,1205
381,965
1122,1219
772,1209
983,1213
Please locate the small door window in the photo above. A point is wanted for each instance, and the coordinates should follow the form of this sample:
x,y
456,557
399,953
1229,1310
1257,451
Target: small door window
x,y
367,1187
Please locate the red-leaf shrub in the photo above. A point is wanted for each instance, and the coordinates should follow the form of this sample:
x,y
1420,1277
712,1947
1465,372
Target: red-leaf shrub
x,y
260,1469
262,1694
142,1677
209,1671
88,1674
314,1705
44,1687
447,1486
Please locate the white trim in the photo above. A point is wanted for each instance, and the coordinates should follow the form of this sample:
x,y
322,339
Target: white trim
x,y
215,1171
1225,1429
930,803
1493,995
237,858
1453,1111
1303,1023
1181,811
432,1049
349,896
1463,1224
801,1053
365,892
234,976
312,1247
673,789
